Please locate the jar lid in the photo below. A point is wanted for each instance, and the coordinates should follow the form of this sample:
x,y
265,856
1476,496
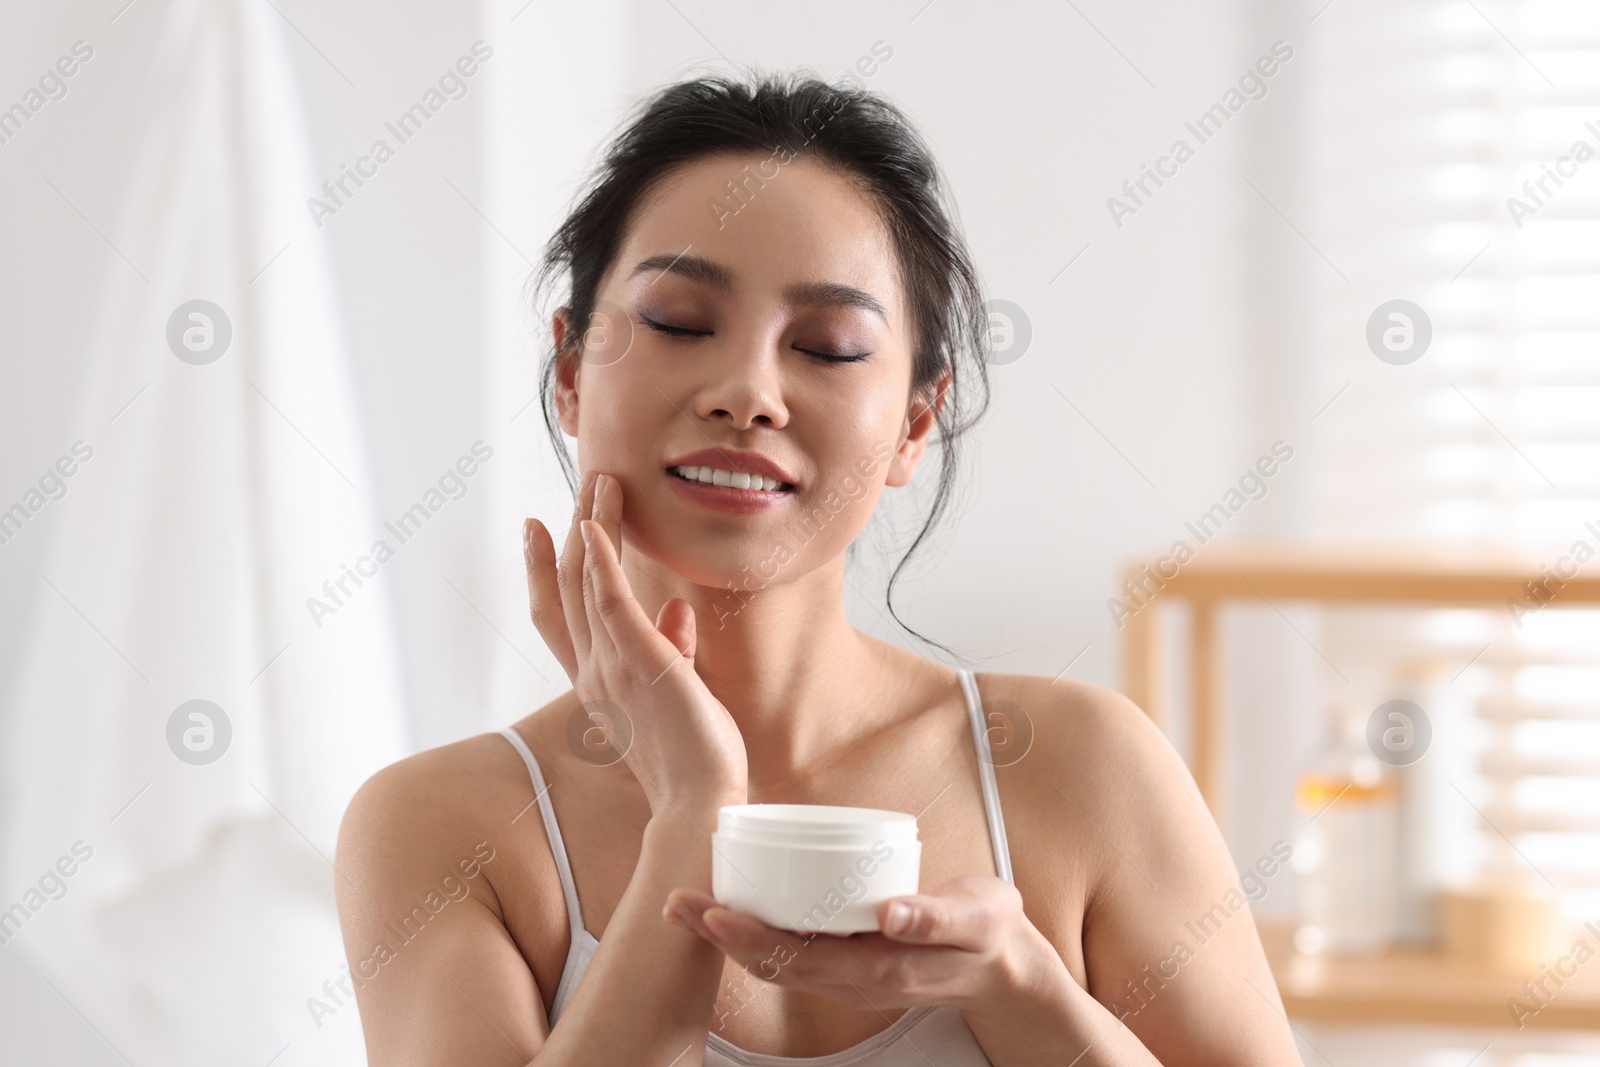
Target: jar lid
x,y
815,825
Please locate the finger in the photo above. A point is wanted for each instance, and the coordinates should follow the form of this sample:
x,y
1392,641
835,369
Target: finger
x,y
544,594
614,608
737,927
608,508
676,622
834,967
963,914
569,573
694,900
607,513
746,939
826,966
685,906
593,608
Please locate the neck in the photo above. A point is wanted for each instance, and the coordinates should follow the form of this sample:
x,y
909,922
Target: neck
x,y
795,675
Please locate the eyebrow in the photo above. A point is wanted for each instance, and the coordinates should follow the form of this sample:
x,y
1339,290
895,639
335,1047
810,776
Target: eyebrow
x,y
832,294
716,276
694,268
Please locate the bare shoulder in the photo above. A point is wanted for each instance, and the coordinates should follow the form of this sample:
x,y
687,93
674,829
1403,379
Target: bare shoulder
x,y
1064,702
427,865
1088,735
422,810
1095,759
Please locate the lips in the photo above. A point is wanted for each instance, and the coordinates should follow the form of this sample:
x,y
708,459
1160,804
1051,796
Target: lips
x,y
735,460
729,480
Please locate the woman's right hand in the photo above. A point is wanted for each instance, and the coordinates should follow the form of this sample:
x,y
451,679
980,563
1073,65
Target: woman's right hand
x,y
678,739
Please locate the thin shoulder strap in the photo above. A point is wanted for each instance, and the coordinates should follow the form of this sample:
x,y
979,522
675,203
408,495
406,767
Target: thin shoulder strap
x,y
991,794
558,848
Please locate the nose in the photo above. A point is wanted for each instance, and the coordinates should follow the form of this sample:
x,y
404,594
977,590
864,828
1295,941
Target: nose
x,y
745,389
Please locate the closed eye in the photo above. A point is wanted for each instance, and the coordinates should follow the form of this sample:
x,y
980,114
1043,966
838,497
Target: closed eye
x,y
829,357
673,331
684,331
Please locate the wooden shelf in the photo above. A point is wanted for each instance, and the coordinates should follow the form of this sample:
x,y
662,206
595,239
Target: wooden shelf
x,y
1273,574
1419,986
1367,575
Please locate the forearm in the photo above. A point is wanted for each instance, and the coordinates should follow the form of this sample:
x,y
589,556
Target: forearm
x,y
1047,1017
648,992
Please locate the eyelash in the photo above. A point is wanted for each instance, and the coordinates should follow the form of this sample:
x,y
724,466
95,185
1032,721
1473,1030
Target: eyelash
x,y
673,331
681,331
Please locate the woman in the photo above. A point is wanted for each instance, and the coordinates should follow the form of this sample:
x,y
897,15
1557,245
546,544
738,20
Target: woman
x,y
769,316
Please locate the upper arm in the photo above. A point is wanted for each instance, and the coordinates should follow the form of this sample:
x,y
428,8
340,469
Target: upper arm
x,y
1169,943
439,978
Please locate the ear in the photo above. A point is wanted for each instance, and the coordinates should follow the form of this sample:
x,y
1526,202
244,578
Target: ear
x,y
567,366
921,419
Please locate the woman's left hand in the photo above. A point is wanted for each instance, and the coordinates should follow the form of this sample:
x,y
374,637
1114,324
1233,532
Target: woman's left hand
x,y
963,945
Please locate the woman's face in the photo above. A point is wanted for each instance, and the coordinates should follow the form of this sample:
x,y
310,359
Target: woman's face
x,y
766,335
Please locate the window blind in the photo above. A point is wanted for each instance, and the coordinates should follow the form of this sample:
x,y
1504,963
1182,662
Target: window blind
x,y
1453,160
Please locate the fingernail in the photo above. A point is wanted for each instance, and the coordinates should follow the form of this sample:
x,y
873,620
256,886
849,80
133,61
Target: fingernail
x,y
899,918
583,528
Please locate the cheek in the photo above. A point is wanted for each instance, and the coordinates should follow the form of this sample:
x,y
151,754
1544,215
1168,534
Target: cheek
x,y
857,409
862,430
618,413
851,447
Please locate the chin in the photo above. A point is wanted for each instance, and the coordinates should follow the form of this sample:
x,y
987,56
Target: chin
x,y
700,553
736,558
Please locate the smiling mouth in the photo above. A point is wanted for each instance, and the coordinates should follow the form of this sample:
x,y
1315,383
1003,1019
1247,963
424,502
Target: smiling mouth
x,y
730,479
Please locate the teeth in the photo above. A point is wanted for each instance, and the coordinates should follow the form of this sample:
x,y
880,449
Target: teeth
x,y
730,479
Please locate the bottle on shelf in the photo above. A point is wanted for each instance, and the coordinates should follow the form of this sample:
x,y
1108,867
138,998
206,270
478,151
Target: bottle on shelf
x,y
1345,850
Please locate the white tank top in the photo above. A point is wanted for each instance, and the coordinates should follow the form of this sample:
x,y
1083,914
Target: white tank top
x,y
920,1036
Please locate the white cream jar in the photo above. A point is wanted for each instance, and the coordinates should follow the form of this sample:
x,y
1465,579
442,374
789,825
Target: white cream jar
x,y
813,868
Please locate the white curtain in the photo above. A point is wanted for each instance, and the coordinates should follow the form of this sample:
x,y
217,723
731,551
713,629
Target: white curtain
x,y
218,498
